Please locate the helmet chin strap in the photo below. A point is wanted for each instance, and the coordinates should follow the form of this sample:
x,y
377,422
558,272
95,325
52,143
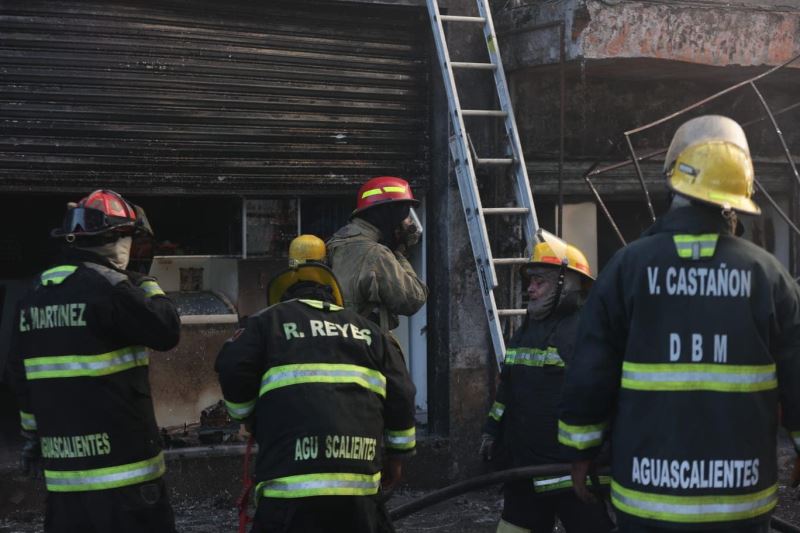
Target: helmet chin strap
x,y
731,218
562,274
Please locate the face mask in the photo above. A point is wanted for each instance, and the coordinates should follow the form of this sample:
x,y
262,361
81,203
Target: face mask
x,y
411,229
118,252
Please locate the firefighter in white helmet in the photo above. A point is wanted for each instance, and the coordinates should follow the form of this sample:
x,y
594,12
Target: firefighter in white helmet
x,y
523,419
689,338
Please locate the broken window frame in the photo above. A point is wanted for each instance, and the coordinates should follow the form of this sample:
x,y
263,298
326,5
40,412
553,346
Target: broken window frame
x,y
596,170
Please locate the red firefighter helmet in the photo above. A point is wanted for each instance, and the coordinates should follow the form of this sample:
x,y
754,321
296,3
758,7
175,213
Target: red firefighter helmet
x,y
382,190
100,212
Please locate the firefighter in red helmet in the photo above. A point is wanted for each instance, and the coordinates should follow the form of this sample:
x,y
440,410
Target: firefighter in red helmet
x,y
368,255
78,363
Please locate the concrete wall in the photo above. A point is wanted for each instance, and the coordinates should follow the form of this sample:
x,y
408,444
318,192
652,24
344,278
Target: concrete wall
x,y
744,32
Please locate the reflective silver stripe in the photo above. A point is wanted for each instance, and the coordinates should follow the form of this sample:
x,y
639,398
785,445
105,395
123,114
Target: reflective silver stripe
x,y
151,289
688,376
401,439
582,437
105,478
239,411
533,357
687,509
551,481
329,484
85,365
497,410
796,438
696,246
286,375
56,275
27,421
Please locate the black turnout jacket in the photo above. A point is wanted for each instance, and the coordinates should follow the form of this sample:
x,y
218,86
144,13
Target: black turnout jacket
x,y
688,342
79,362
328,393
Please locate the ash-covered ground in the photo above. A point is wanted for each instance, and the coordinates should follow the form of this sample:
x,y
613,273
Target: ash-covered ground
x,y
476,512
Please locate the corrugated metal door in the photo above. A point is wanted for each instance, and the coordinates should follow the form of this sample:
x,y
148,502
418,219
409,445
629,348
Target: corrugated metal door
x,y
210,97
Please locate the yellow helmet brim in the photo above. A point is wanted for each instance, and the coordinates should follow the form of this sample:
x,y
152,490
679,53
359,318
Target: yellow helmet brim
x,y
314,272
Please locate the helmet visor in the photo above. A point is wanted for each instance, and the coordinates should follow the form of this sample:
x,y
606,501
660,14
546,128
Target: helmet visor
x,y
84,220
142,224
557,245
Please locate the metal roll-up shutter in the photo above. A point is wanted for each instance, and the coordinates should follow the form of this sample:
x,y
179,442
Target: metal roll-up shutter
x,y
211,97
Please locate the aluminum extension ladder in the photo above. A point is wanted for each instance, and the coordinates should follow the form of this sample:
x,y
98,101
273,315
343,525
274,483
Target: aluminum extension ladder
x,y
465,162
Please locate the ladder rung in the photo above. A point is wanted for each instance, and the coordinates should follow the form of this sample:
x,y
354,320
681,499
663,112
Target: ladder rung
x,y
511,261
459,18
494,161
506,210
483,113
512,312
475,66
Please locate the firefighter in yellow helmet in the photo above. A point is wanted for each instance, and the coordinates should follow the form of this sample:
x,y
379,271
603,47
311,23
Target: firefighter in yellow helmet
x,y
329,399
688,339
522,426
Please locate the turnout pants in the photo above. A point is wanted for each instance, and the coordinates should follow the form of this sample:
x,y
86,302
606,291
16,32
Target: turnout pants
x,y
536,512
322,514
142,508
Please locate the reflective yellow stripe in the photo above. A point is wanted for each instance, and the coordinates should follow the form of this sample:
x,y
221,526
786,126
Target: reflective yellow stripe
x,y
71,366
56,275
698,377
696,246
334,484
533,357
105,478
151,289
240,411
27,421
287,375
394,188
371,192
497,410
693,509
545,484
404,439
318,304
580,437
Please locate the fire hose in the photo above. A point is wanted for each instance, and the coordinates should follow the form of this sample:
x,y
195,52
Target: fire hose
x,y
516,474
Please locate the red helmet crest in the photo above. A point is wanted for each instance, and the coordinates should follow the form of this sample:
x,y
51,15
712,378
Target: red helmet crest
x,y
100,212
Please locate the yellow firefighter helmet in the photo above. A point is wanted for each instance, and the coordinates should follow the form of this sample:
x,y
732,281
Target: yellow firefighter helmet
x,y
304,248
554,251
709,160
306,263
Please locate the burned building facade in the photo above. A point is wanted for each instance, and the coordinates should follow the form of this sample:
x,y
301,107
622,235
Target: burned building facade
x,y
239,126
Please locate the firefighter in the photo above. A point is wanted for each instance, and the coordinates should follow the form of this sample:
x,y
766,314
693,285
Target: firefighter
x,y
690,337
524,417
368,255
329,400
79,367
